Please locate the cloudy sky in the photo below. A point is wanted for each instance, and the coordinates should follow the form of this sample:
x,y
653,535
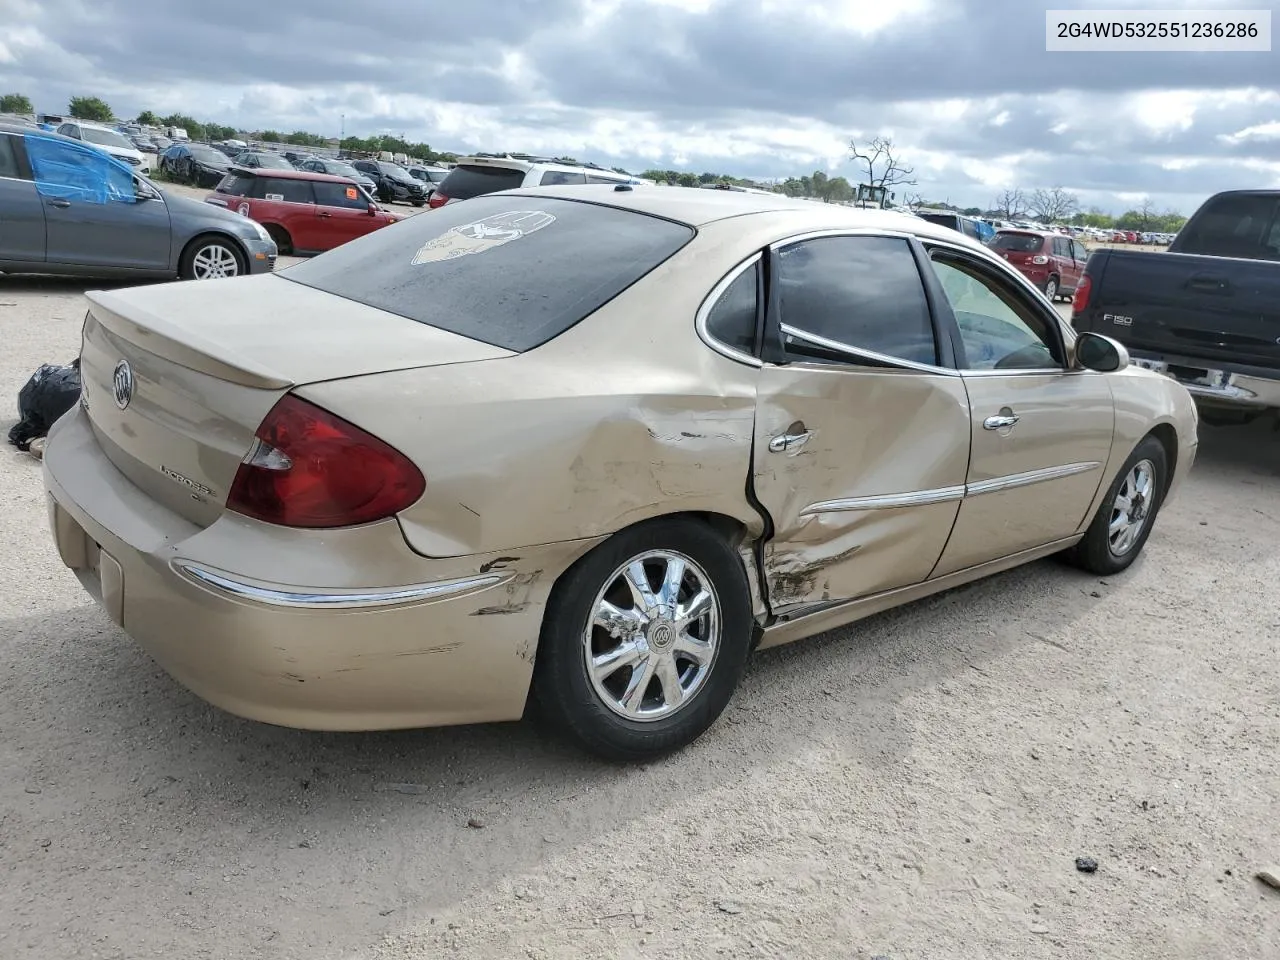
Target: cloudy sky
x,y
759,88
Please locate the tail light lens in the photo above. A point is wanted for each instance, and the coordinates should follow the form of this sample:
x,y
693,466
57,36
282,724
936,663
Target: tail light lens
x,y
437,200
1080,302
309,468
1040,258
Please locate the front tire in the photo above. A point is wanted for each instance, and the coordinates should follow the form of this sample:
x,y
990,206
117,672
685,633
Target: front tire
x,y
212,258
1123,522
644,641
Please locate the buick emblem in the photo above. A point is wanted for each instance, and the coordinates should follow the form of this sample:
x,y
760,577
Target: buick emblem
x,y
122,384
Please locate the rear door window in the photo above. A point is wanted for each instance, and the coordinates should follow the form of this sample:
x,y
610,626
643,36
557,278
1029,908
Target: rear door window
x,y
513,272
9,159
466,181
563,178
289,190
1236,225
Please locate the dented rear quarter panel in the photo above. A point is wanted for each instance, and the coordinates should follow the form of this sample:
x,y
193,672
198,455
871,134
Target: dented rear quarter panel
x,y
625,417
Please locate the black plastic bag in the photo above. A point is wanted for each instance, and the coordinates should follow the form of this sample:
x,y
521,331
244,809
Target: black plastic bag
x,y
51,392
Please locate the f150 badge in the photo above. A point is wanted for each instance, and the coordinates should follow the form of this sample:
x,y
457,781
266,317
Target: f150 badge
x,y
1118,320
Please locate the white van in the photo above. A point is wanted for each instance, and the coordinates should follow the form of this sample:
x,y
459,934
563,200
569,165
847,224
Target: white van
x,y
177,134
108,141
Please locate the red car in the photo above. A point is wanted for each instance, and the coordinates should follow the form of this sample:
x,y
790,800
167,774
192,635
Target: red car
x,y
1052,262
304,212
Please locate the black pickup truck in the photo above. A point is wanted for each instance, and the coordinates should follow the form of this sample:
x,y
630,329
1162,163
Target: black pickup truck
x,y
1207,312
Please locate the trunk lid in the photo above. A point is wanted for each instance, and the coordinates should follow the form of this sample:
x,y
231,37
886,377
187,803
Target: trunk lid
x,y
206,361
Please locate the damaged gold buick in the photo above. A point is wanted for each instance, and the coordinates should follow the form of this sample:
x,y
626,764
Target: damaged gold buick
x,y
589,445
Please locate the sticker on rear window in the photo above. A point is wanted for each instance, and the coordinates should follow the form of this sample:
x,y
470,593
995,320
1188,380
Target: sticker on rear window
x,y
482,235
275,196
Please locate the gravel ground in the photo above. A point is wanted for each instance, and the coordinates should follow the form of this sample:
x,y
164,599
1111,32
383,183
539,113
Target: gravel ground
x,y
918,786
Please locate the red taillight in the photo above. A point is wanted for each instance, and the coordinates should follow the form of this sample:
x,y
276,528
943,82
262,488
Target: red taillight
x,y
1080,302
309,468
437,200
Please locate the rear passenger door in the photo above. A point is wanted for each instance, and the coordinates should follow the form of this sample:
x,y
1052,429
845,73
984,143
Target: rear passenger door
x,y
862,428
293,204
21,212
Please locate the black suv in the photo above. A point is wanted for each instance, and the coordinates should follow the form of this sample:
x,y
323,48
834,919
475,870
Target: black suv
x,y
393,181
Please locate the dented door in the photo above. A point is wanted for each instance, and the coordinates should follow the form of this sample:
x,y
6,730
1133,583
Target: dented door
x,y
862,471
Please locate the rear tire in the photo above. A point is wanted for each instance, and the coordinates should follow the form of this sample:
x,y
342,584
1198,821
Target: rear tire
x,y
419,203
1051,288
630,670
1124,520
212,257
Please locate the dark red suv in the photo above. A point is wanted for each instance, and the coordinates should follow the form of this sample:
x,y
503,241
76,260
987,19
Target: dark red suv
x,y
304,212
1052,261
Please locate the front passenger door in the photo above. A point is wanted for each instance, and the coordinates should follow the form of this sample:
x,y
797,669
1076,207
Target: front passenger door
x,y
861,436
1041,433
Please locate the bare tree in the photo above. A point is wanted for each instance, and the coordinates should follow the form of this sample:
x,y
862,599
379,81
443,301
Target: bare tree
x,y
878,156
912,201
1011,204
1147,213
1052,205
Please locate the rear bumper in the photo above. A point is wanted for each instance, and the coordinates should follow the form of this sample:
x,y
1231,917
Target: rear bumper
x,y
326,630
1213,386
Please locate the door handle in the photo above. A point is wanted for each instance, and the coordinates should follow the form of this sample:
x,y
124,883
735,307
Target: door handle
x,y
59,203
786,442
1000,421
323,214
1205,282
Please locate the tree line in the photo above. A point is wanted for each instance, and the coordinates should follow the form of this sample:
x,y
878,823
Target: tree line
x,y
885,172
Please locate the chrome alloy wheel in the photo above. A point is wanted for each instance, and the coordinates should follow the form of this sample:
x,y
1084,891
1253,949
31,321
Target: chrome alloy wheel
x,y
653,636
1132,507
213,260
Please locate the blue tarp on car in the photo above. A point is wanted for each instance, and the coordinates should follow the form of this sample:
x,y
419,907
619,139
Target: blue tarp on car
x,y
71,172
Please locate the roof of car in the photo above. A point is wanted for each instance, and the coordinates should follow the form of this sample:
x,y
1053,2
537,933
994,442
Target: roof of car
x,y
696,207
279,173
6,127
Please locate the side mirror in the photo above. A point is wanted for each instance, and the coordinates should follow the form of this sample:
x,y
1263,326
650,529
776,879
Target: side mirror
x,y
1096,352
373,209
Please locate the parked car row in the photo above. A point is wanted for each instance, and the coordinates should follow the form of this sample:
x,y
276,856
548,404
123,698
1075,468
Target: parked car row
x,y
70,208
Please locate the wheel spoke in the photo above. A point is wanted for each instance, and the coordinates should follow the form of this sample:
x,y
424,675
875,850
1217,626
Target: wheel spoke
x,y
695,609
691,648
669,678
672,578
638,580
1123,503
1118,524
607,664
618,622
641,675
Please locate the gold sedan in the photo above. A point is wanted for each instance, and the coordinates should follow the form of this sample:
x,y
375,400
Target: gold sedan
x,y
596,444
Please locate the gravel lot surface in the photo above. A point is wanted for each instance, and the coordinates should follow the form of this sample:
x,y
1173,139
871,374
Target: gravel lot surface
x,y
918,786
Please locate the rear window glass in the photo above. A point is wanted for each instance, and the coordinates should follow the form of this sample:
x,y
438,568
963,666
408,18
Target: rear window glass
x,y
513,272
1239,225
465,182
1017,242
236,184
942,220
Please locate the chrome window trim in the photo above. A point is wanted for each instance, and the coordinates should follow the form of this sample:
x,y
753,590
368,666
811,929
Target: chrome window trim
x,y
709,303
281,596
858,352
1014,480
921,498
842,232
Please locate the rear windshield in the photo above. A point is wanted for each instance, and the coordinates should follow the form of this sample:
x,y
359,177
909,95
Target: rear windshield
x,y
465,182
1236,225
1018,242
236,184
942,219
509,271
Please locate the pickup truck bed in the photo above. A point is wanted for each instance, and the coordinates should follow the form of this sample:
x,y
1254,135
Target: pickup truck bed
x,y
1210,321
